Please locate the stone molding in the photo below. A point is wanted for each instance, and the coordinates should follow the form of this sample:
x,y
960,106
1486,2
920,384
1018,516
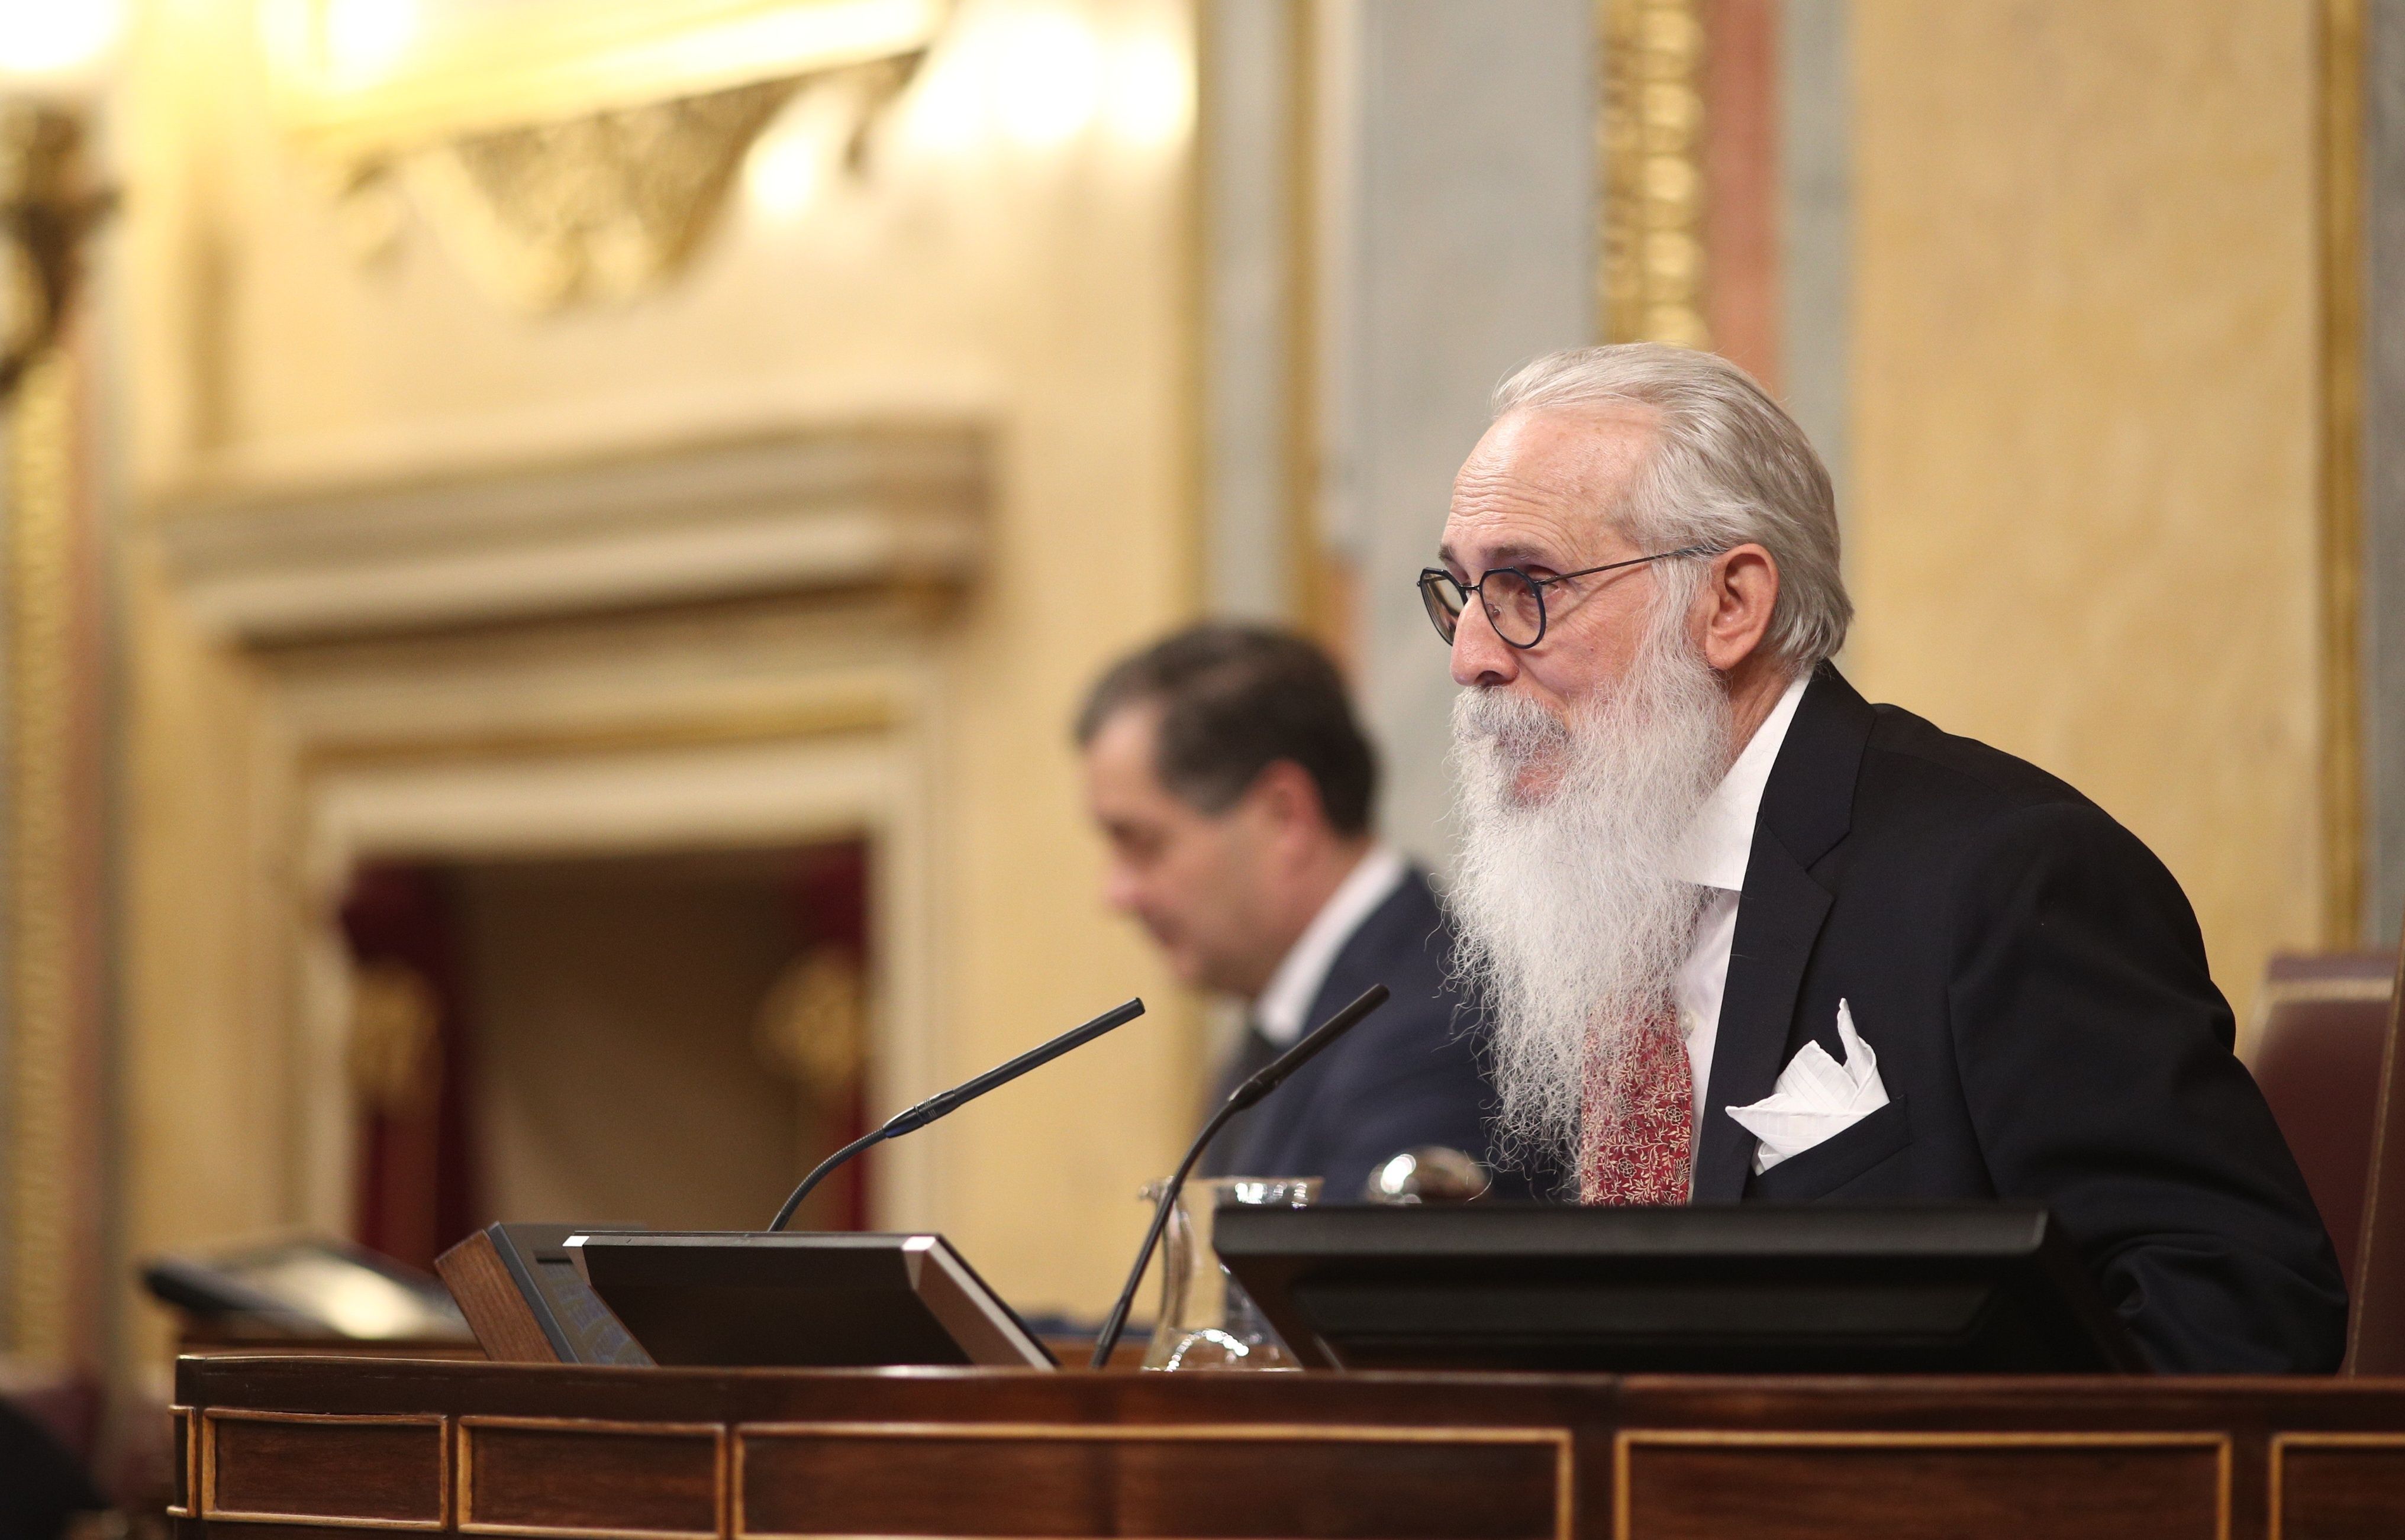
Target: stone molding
x,y
894,507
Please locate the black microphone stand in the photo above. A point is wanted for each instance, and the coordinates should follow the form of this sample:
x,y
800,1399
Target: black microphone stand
x,y
945,1101
1270,1077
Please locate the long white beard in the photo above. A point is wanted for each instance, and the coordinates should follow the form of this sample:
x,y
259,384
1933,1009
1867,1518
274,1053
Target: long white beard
x,y
1572,926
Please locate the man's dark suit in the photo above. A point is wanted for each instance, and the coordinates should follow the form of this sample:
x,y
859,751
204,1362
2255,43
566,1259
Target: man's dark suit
x,y
2034,984
1409,1075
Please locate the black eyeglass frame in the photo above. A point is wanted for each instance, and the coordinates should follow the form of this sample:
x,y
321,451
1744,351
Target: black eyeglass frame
x,y
1431,576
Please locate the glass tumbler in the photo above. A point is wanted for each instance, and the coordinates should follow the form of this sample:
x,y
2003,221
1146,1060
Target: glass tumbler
x,y
1207,1321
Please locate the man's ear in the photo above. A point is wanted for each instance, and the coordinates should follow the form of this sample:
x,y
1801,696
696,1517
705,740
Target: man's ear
x,y
1288,797
1740,591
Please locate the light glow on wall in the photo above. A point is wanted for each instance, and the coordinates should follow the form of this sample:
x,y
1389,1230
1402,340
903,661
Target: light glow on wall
x,y
366,39
1048,79
1150,102
787,168
1039,79
53,39
822,34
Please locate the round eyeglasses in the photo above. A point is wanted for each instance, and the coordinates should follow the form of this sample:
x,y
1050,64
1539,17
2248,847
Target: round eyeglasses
x,y
1514,602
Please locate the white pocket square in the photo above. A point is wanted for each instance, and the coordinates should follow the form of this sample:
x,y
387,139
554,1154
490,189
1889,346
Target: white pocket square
x,y
1816,1098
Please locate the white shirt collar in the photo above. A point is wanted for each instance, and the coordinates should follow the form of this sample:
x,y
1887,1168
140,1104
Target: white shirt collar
x,y
1280,1011
1720,840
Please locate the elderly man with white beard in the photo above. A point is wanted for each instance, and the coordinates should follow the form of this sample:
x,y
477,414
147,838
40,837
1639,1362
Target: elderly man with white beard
x,y
1742,935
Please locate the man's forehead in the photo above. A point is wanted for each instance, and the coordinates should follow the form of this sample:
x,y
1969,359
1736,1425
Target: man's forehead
x,y
1541,481
1128,731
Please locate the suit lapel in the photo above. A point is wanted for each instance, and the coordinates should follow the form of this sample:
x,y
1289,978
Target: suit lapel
x,y
1777,923
1807,808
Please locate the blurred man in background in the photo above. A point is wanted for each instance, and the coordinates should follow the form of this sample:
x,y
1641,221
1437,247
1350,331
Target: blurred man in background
x,y
1226,768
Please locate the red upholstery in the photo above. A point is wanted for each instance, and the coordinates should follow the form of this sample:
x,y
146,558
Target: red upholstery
x,y
2323,1023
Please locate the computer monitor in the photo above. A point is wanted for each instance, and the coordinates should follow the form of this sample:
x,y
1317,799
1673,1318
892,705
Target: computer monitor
x,y
817,1300
308,1286
1738,1289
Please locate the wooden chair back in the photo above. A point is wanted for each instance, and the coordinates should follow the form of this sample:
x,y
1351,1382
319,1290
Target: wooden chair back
x,y
2375,1342
2321,1034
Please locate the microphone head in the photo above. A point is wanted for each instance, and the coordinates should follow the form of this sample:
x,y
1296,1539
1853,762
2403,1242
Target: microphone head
x,y
1273,1073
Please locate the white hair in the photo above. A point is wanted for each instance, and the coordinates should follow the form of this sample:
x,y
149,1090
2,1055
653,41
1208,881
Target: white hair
x,y
1727,467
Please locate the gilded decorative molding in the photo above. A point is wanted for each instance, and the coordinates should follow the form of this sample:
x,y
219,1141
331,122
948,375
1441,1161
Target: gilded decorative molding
x,y
568,151
50,1094
597,208
41,821
2341,127
47,212
1649,153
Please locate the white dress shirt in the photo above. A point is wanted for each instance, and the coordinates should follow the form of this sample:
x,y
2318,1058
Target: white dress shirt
x,y
1719,844
1301,975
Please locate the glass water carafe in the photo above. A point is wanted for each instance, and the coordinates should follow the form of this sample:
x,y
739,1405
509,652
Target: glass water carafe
x,y
1207,1321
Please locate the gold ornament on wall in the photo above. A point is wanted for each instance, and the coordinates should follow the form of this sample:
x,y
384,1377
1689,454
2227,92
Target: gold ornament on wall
x,y
396,1047
48,208
1650,153
568,151
598,208
813,1024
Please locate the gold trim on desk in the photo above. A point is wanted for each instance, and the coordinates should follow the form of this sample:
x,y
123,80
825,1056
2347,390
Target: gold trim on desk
x,y
716,1431
2283,1442
1627,1440
210,1511
1559,1439
187,1457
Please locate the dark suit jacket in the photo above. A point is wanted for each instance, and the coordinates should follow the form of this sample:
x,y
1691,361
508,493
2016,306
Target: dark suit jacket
x,y
1408,1075
2034,984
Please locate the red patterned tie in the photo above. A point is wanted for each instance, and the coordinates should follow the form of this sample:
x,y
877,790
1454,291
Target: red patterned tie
x,y
1639,1130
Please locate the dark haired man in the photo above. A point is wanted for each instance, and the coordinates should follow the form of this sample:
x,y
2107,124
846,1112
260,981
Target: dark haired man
x,y
1226,769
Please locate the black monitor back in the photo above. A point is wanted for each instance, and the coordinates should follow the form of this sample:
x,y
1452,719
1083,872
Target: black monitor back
x,y
1734,1289
802,1298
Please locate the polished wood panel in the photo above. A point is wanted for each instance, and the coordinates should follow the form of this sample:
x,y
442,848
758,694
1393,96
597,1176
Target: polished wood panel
x,y
1017,1455
560,1476
2003,1486
2338,1486
391,1472
505,1327
2376,1290
1229,1481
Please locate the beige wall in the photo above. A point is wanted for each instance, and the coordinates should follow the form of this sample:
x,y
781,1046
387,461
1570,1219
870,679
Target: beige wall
x,y
1039,289
653,972
2082,522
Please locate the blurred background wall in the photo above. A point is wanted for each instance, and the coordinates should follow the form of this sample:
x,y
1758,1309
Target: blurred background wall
x,y
2087,522
549,567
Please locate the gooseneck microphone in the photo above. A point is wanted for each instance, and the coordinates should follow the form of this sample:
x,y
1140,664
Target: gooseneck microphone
x,y
1270,1077
946,1102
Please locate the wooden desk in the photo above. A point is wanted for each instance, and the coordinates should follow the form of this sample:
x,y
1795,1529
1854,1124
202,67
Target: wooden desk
x,y
343,1446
